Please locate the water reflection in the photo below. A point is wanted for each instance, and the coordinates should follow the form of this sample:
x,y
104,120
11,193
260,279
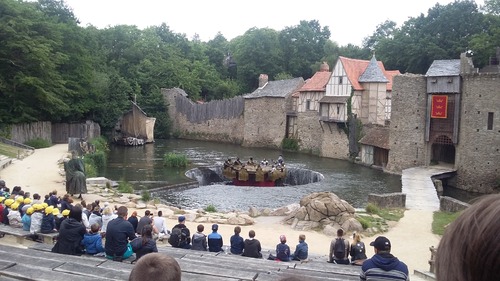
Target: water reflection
x,y
144,167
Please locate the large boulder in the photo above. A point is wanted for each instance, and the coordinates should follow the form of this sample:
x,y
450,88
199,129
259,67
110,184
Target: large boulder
x,y
323,209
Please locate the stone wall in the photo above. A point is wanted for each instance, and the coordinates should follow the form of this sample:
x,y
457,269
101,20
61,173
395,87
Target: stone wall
x,y
388,200
309,131
448,204
407,129
264,122
335,142
478,151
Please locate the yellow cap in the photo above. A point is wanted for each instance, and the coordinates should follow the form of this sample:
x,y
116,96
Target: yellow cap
x,y
49,210
30,210
14,206
1,199
27,201
65,213
55,212
44,205
9,202
38,207
19,199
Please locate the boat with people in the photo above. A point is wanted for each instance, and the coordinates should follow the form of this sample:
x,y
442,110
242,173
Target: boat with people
x,y
251,173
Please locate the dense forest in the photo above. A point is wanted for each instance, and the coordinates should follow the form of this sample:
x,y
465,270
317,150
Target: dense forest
x,y
53,69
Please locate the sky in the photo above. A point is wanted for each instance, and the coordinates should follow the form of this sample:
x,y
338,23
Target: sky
x,y
349,21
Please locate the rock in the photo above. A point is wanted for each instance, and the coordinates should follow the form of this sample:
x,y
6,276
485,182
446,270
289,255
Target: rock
x,y
191,216
280,212
201,220
352,224
265,212
330,230
236,221
162,206
121,200
253,212
130,205
306,225
140,205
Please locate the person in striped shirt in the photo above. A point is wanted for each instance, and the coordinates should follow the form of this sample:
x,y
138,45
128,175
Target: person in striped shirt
x,y
383,265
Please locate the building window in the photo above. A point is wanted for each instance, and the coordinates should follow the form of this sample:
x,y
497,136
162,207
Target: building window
x,y
490,121
338,109
308,104
340,79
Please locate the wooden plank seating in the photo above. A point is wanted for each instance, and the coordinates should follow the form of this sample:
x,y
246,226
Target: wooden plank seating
x,y
48,238
19,233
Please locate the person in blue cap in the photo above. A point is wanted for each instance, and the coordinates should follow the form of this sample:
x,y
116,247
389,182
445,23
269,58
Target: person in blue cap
x,y
215,240
180,237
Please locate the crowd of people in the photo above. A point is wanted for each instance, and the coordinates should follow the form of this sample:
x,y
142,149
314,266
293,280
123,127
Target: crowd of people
x,y
110,232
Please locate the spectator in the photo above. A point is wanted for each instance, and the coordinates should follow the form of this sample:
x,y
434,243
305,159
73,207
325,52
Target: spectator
x,y
145,244
215,242
6,210
383,265
36,219
71,234
107,216
144,221
15,219
339,249
237,243
53,199
92,241
469,248
85,219
252,246
199,239
302,249
118,233
180,237
282,251
36,199
358,251
66,203
96,217
133,219
27,218
160,225
157,267
48,221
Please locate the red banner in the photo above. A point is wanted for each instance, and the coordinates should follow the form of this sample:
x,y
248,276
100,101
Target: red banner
x,y
439,107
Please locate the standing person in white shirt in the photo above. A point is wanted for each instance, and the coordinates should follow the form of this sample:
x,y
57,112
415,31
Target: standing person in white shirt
x,y
161,225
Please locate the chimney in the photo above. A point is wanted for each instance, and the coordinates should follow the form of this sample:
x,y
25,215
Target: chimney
x,y
263,78
324,67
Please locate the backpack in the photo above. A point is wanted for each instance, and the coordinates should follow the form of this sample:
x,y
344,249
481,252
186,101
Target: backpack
x,y
175,237
339,249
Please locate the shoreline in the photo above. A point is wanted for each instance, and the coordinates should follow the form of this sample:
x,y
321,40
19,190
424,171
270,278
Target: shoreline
x,y
411,237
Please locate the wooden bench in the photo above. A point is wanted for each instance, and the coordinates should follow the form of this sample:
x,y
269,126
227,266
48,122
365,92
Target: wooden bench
x,y
48,238
19,233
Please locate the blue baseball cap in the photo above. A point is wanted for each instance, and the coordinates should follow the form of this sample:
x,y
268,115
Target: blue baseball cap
x,y
181,218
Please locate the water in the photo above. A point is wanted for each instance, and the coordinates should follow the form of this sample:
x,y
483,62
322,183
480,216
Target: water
x,y
143,166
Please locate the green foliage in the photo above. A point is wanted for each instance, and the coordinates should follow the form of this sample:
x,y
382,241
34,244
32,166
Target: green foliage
x,y
8,150
96,159
386,214
100,144
290,144
145,196
210,208
175,160
90,170
441,220
125,187
38,143
365,223
372,208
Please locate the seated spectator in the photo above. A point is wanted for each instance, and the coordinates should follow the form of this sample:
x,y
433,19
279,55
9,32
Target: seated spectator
x,y
160,225
36,219
383,265
252,246
71,234
133,219
53,199
92,241
237,243
26,219
118,233
199,240
95,216
145,244
282,251
66,202
469,248
107,216
26,205
302,249
215,242
64,215
57,218
36,199
15,216
144,221
180,236
48,221
358,251
339,249
157,267
6,210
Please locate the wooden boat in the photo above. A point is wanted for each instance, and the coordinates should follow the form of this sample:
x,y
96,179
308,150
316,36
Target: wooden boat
x,y
252,174
134,128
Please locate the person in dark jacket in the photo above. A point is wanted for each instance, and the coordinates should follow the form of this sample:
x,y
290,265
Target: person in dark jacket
x,y
383,265
66,203
118,232
144,221
302,249
358,251
145,244
215,240
48,221
185,236
53,199
252,246
237,243
92,241
133,219
199,240
282,251
71,234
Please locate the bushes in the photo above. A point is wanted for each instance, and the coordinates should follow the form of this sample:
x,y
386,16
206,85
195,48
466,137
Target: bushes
x,y
175,160
290,144
97,159
38,143
125,187
210,209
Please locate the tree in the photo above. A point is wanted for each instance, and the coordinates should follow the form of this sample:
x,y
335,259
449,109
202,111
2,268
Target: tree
x,y
492,6
384,30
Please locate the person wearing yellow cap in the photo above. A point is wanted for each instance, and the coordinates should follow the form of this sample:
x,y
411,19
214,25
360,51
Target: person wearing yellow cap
x,y
8,202
26,219
57,217
1,208
23,207
48,221
36,219
14,215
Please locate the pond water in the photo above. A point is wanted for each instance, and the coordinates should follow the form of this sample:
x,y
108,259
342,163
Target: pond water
x,y
143,166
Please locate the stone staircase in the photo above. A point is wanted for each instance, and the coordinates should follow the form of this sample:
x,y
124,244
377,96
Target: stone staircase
x,y
5,161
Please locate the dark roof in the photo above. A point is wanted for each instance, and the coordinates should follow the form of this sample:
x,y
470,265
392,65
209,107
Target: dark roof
x,y
373,73
444,68
378,136
277,89
334,99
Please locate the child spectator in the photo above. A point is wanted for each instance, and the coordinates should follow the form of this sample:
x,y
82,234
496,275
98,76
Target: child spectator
x,y
26,205
252,246
48,221
282,251
85,219
199,239
47,199
107,215
302,249
20,202
92,241
6,210
237,243
15,216
26,219
145,244
96,217
65,215
66,202
36,199
215,240
156,267
53,199
57,218
36,219
134,220
1,208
